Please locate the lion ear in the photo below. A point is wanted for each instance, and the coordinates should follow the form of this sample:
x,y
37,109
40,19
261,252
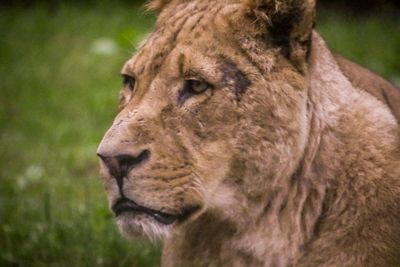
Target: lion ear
x,y
290,23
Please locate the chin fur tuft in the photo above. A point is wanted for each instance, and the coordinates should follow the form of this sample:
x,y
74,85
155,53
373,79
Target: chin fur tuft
x,y
141,225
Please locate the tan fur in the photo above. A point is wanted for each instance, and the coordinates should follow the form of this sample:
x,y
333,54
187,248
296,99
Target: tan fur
x,y
366,80
289,158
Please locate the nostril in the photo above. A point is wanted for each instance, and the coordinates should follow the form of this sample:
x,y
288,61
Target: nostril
x,y
144,156
121,164
99,155
128,162
111,163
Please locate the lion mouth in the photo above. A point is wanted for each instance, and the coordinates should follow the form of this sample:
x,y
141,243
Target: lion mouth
x,y
124,205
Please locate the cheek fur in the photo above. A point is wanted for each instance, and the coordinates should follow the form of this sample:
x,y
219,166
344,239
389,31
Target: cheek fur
x,y
213,121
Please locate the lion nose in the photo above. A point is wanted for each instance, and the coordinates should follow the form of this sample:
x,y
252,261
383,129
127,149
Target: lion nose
x,y
120,164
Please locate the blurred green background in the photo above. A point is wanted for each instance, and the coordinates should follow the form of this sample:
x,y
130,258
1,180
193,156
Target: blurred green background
x,y
59,70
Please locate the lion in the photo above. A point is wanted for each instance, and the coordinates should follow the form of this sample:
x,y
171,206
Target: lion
x,y
243,141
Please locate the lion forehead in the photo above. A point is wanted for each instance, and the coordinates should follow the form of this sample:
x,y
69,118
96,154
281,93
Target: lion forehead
x,y
191,24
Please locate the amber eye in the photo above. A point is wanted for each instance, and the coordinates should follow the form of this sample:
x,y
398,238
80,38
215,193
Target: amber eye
x,y
196,87
128,82
191,88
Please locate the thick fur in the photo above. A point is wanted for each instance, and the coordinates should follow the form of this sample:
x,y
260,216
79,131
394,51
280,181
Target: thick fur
x,y
290,157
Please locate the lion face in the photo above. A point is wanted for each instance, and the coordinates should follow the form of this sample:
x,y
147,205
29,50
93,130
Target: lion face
x,y
203,113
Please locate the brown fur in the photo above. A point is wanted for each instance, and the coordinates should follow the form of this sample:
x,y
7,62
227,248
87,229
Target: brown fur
x,y
366,80
289,158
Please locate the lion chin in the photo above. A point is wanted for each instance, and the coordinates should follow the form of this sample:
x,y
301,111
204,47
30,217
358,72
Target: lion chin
x,y
133,226
135,220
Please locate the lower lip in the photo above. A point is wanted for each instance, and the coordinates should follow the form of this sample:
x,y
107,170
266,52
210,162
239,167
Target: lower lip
x,y
122,211
164,220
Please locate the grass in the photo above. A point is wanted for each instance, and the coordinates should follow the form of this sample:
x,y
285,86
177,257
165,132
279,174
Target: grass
x,y
59,83
372,41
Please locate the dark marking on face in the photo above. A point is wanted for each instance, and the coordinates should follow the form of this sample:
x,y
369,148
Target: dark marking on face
x,y
141,71
233,77
183,96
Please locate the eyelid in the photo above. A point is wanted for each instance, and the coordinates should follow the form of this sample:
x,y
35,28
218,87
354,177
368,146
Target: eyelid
x,y
198,74
187,91
199,80
194,75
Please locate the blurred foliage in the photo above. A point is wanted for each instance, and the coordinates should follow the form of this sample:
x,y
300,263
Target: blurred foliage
x,y
59,73
355,7
59,88
372,41
362,7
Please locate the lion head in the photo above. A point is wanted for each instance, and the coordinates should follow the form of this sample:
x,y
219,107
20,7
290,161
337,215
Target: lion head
x,y
213,113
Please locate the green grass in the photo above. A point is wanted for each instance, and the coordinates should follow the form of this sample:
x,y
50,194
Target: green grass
x,y
59,84
373,41
58,96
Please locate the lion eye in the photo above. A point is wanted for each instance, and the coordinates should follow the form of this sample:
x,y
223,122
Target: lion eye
x,y
196,87
191,88
129,82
